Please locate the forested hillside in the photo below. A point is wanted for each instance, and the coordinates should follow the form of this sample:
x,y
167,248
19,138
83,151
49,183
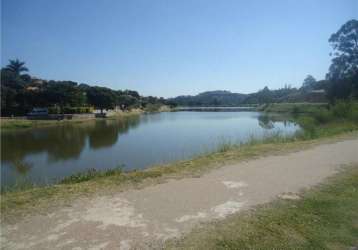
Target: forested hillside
x,y
312,93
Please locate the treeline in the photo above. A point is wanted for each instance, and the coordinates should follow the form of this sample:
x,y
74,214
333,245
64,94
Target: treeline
x,y
20,93
227,98
210,98
311,91
341,81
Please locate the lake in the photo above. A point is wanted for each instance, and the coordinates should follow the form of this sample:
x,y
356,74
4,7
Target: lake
x,y
46,155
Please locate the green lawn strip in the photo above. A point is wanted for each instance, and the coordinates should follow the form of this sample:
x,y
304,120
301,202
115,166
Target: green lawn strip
x,y
292,107
325,218
13,124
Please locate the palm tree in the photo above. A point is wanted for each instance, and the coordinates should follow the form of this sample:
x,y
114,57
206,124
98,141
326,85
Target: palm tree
x,y
16,66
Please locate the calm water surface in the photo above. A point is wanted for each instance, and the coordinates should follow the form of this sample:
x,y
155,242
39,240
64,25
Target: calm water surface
x,y
45,155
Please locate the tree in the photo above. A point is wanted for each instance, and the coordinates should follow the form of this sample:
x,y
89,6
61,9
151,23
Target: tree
x,y
20,93
342,89
12,87
102,98
308,83
345,50
8,102
17,67
132,93
125,101
343,72
64,93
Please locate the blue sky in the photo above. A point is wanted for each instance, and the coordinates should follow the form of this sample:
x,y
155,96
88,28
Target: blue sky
x,y
174,47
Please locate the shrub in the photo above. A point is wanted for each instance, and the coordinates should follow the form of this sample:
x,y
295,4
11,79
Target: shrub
x,y
224,147
354,114
152,107
342,109
54,110
80,177
70,110
309,125
295,110
323,116
91,174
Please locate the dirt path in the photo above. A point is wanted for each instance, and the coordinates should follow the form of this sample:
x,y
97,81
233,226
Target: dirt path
x,y
141,219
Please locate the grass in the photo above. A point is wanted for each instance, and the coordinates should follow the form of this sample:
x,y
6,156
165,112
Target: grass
x,y
152,108
16,123
7,124
326,217
90,174
292,107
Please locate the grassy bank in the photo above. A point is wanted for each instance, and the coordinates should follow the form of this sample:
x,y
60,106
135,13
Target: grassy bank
x,y
153,108
11,124
26,198
324,218
292,107
6,123
322,111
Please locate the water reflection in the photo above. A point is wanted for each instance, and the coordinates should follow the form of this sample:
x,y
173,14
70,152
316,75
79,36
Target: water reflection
x,y
267,121
43,155
63,142
21,167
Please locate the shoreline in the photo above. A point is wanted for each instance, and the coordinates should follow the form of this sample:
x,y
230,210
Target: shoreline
x,y
11,124
8,123
317,129
98,210
17,203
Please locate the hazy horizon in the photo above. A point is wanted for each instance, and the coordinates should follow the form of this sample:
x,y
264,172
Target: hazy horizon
x,y
172,48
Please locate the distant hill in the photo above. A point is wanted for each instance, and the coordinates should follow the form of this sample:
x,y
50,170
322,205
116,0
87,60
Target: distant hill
x,y
211,98
222,98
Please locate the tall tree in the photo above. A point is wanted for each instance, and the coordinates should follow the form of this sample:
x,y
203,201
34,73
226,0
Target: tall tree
x,y
102,98
345,51
64,93
308,82
17,67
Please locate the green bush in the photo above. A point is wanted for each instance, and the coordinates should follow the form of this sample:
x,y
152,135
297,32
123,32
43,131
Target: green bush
x,y
309,124
354,114
70,110
80,177
295,110
323,116
54,110
152,107
91,174
341,109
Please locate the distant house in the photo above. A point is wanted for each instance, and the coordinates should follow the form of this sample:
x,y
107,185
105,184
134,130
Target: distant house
x,y
318,91
99,111
38,112
35,85
37,81
32,88
119,108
